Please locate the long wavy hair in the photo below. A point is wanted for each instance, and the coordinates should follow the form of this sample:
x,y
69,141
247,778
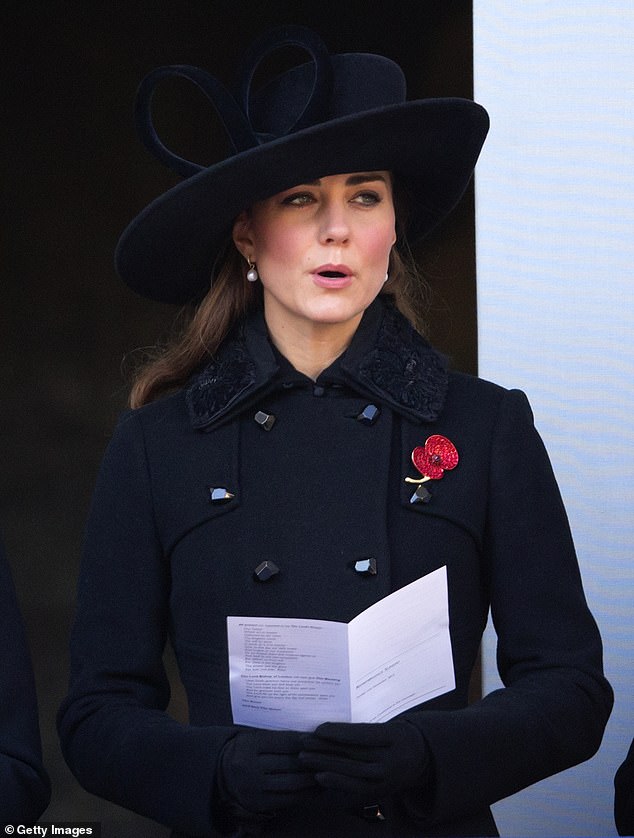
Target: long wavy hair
x,y
231,298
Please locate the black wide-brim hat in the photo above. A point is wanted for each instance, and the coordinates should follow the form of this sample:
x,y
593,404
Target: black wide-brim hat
x,y
333,115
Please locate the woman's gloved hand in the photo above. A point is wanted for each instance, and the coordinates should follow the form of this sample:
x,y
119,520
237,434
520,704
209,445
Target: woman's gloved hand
x,y
259,772
369,759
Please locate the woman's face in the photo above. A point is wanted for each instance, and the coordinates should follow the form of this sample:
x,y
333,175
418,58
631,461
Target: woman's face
x,y
321,248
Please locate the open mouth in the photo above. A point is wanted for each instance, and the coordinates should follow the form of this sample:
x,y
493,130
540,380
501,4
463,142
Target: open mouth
x,y
332,276
332,279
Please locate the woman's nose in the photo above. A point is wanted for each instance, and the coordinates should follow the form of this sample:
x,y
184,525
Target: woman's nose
x,y
335,228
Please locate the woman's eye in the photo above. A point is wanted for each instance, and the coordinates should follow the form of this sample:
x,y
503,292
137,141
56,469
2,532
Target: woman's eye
x,y
298,199
367,198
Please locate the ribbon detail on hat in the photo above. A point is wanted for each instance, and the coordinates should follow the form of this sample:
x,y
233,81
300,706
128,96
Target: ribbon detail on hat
x,y
234,115
286,36
234,121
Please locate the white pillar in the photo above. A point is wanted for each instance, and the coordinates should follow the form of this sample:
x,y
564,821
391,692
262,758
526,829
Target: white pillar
x,y
555,262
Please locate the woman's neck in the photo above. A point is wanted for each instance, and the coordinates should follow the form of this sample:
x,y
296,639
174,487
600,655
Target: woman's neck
x,y
312,347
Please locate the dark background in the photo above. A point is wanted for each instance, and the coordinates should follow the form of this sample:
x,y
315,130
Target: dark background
x,y
72,175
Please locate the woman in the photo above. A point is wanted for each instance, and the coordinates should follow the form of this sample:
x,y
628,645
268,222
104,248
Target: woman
x,y
266,470
25,786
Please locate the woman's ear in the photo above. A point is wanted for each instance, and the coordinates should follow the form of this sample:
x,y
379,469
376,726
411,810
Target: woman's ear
x,y
241,235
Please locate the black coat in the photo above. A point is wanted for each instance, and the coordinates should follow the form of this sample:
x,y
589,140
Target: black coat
x,y
314,493
24,785
624,795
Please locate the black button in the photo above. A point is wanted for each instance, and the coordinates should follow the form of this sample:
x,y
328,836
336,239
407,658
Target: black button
x,y
366,567
219,494
318,390
372,813
421,495
264,420
369,414
265,570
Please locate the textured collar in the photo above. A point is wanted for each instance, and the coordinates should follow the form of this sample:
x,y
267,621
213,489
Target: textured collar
x,y
387,360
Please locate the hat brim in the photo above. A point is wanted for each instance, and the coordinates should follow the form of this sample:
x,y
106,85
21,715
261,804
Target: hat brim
x,y
167,252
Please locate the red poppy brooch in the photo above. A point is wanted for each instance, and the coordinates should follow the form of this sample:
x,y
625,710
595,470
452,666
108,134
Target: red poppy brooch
x,y
432,460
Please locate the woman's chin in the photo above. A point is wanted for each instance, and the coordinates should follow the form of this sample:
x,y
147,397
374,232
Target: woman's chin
x,y
335,308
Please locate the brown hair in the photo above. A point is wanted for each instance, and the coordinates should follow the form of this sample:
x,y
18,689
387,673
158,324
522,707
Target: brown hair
x,y
231,298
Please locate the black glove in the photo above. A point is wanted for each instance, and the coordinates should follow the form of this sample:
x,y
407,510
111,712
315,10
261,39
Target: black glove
x,y
370,759
259,772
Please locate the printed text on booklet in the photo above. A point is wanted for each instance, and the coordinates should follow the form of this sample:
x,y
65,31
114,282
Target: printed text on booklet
x,y
294,674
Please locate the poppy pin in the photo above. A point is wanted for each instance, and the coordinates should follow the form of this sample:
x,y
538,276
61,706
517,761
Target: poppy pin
x,y
432,460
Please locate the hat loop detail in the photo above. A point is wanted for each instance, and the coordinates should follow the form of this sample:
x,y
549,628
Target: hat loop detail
x,y
239,132
316,107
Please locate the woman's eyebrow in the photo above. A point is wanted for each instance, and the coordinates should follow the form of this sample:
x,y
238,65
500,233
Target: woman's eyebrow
x,y
355,180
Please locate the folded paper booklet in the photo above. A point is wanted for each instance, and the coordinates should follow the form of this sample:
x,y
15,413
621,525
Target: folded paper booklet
x,y
293,674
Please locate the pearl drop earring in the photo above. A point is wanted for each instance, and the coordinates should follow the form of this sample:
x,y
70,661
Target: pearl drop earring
x,y
252,274
387,276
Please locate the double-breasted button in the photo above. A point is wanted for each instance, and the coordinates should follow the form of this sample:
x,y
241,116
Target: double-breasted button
x,y
366,567
220,494
265,570
369,414
372,812
264,420
421,495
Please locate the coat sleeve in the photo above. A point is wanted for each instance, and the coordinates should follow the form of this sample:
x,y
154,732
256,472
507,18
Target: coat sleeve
x,y
555,703
114,730
624,795
24,784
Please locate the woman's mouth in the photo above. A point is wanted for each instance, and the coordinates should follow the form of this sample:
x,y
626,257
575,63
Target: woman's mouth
x,y
332,276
